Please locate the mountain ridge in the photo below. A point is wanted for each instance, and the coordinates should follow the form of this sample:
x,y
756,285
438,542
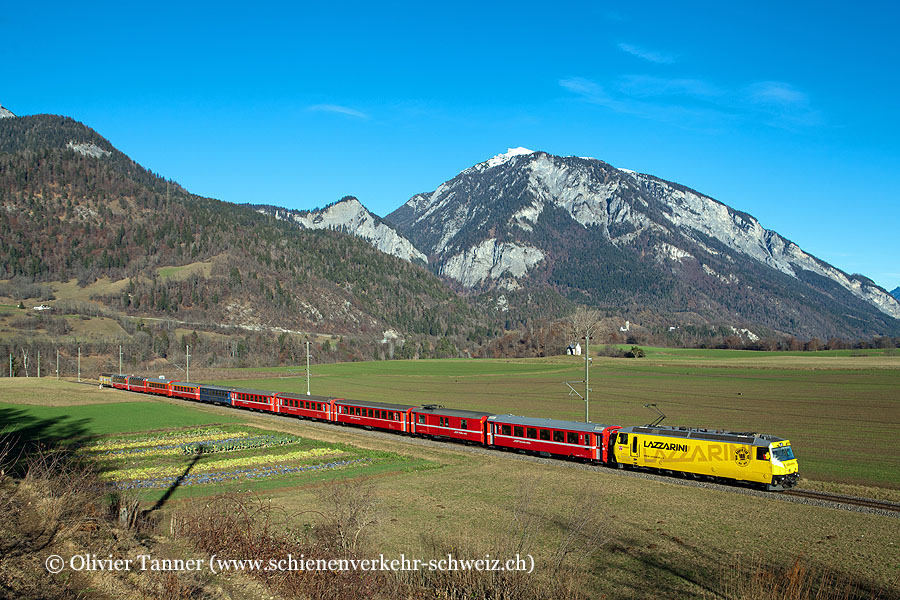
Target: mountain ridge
x,y
348,215
510,222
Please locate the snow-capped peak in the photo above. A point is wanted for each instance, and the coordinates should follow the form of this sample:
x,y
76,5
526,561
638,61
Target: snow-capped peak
x,y
510,153
5,113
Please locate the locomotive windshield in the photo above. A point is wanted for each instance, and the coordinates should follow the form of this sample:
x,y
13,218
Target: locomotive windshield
x,y
784,453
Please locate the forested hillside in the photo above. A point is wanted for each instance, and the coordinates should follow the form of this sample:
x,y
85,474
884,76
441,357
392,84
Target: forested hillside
x,y
72,206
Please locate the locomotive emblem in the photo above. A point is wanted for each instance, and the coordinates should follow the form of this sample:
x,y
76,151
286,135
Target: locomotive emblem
x,y
742,456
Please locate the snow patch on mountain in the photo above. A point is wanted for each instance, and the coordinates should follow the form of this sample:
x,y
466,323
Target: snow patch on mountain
x,y
350,216
504,158
491,260
6,113
88,149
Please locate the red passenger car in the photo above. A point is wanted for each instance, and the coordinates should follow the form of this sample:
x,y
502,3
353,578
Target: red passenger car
x,y
436,421
120,382
254,399
550,436
301,405
377,415
185,389
160,386
135,383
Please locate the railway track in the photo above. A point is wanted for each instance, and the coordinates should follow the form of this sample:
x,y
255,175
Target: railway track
x,y
891,507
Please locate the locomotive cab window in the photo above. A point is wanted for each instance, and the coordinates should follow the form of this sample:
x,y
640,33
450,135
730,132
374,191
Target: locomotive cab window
x,y
784,453
623,438
762,454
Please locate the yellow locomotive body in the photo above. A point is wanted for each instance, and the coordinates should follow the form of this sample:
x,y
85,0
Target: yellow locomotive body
x,y
750,457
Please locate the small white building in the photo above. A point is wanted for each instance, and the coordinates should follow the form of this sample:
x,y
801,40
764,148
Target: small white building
x,y
43,307
574,350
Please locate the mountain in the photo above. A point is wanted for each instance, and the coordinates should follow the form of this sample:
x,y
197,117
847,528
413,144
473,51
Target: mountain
x,y
5,113
896,293
349,216
609,237
72,206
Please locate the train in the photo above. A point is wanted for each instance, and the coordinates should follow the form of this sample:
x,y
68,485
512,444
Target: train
x,y
749,458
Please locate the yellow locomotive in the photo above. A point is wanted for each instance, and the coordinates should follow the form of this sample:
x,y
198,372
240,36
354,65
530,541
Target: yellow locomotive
x,y
750,457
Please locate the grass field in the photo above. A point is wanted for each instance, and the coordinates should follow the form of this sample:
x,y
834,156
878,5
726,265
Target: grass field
x,y
841,413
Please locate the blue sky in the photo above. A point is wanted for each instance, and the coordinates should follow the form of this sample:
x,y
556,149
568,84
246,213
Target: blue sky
x,y
787,111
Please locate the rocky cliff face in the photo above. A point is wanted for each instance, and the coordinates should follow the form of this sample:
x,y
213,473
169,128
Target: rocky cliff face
x,y
349,216
528,218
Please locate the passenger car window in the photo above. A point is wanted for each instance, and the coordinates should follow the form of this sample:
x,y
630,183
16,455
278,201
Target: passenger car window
x,y
505,430
518,432
559,436
545,434
532,433
572,438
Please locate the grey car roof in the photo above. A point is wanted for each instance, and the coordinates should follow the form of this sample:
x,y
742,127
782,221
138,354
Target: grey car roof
x,y
548,423
452,412
302,396
368,404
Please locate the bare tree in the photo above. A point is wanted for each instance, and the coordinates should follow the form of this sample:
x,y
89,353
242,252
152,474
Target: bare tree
x,y
584,322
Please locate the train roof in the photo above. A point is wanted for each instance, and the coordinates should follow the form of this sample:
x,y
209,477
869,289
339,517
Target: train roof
x,y
302,396
160,380
437,409
368,404
204,386
187,383
252,391
548,423
697,433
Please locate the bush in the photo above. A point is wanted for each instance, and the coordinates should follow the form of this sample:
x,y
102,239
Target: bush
x,y
635,352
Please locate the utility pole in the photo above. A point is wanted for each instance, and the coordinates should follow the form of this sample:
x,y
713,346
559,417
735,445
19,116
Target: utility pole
x,y
587,374
79,365
120,359
584,321
307,367
187,362
10,364
39,364
57,364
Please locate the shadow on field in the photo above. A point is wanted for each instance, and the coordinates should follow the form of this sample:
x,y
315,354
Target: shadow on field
x,y
175,484
23,435
653,572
